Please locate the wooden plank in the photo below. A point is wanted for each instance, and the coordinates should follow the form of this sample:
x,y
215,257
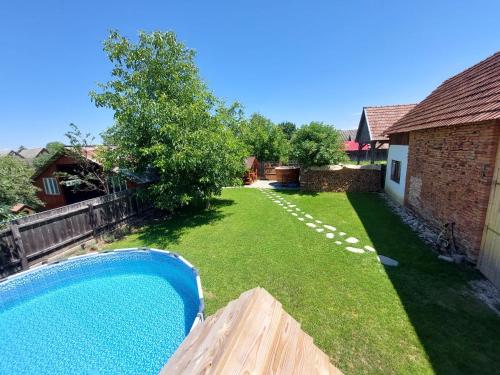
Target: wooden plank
x,y
251,335
14,228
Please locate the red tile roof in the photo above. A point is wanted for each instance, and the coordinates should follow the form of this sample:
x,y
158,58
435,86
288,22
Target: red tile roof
x,y
354,146
469,97
383,117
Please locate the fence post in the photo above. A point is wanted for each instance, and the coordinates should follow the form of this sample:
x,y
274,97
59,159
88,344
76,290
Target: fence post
x,y
14,228
92,219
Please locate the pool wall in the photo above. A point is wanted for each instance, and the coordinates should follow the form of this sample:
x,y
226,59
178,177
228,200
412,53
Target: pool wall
x,y
27,284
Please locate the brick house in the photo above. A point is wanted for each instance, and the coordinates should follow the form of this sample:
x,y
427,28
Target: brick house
x,y
55,193
447,162
372,126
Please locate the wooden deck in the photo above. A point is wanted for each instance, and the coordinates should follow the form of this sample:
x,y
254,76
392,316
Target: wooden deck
x,y
251,335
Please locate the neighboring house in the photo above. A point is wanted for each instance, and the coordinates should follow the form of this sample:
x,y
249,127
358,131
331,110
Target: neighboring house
x,y
27,154
30,154
9,153
351,147
55,193
372,126
444,158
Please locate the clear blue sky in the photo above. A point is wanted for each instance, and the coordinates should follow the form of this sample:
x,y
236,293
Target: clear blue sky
x,y
289,60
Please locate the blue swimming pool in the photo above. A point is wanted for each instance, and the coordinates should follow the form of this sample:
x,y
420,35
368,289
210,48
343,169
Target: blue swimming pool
x,y
122,312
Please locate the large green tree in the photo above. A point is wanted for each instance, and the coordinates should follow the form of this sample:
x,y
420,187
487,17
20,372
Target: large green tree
x,y
167,121
265,140
317,144
16,185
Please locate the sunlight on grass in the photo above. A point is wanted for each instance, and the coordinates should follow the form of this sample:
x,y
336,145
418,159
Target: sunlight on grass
x,y
368,319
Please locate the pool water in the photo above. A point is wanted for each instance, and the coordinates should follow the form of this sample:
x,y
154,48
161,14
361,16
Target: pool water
x,y
116,313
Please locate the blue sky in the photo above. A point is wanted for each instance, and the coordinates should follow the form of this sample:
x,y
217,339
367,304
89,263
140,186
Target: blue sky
x,y
289,60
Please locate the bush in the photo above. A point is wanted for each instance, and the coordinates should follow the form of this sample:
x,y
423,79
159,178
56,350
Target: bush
x,y
317,144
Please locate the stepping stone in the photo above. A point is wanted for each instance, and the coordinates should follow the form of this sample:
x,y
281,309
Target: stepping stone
x,y
330,235
297,209
352,240
354,250
311,225
319,221
295,214
329,227
319,230
301,219
308,216
276,201
291,205
386,261
341,234
369,248
288,210
338,242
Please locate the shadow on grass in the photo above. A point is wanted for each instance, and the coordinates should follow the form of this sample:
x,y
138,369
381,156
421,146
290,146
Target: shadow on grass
x,y
164,232
459,334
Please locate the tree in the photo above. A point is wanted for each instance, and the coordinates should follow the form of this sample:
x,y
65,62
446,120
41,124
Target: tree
x,y
317,144
288,128
89,175
265,140
16,185
167,121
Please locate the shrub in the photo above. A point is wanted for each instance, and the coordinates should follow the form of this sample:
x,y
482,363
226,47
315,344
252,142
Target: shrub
x,y
317,144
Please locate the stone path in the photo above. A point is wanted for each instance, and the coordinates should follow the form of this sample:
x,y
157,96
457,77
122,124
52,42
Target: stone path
x,y
326,229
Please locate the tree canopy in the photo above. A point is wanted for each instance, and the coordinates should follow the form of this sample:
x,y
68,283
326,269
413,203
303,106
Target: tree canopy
x,y
288,128
265,140
317,144
16,185
167,121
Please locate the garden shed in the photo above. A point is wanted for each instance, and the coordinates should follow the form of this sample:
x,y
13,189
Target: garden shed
x,y
251,170
449,172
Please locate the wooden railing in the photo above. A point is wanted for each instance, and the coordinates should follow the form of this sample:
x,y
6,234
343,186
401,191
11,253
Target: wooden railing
x,y
31,237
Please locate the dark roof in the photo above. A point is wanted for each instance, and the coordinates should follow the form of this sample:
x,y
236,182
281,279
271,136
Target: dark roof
x,y
468,97
347,135
381,118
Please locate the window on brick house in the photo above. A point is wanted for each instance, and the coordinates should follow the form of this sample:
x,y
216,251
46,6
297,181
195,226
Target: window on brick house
x,y
50,186
395,170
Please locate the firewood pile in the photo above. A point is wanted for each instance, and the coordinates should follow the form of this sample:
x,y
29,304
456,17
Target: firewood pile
x,y
341,178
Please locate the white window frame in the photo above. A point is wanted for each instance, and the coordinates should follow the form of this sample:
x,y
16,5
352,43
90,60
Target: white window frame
x,y
50,186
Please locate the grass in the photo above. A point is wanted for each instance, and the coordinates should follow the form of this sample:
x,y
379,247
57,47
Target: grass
x,y
417,318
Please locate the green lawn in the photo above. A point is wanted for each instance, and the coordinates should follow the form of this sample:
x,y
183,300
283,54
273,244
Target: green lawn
x,y
414,319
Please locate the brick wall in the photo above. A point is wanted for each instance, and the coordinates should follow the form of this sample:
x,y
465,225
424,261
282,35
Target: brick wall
x,y
449,176
337,178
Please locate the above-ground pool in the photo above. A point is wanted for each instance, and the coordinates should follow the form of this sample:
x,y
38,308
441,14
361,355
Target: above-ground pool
x,y
121,312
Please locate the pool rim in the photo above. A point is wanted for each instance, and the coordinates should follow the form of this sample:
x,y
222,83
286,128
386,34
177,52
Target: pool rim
x,y
200,315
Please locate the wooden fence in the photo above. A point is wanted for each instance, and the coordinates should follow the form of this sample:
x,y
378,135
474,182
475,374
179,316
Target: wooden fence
x,y
34,236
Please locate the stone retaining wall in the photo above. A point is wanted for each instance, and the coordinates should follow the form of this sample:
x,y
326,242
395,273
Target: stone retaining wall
x,y
337,178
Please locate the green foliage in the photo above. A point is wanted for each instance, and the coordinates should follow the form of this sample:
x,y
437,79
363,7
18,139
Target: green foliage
x,y
265,140
88,176
167,121
288,128
419,318
317,144
53,148
16,185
